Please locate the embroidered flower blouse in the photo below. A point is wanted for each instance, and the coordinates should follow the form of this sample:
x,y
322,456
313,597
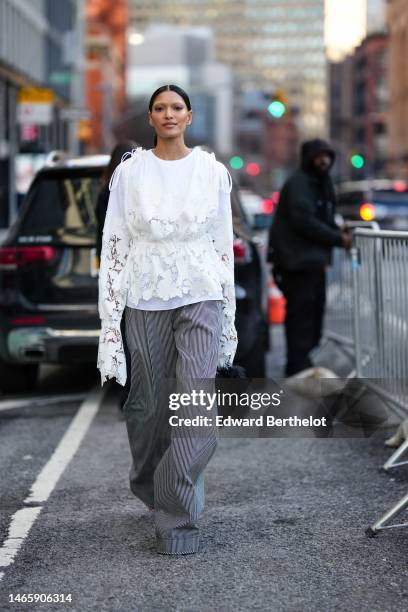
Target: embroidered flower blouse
x,y
161,244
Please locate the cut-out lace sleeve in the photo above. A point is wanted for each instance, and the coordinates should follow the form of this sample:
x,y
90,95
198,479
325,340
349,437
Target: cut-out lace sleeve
x,y
116,243
222,235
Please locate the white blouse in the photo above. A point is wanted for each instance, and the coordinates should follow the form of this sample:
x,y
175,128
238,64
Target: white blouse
x,y
167,241
178,171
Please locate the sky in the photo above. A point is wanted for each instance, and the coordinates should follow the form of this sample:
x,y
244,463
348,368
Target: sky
x,y
345,26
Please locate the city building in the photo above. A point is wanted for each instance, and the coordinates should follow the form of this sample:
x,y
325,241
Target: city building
x,y
270,142
187,62
341,113
275,43
33,46
105,77
370,104
376,16
397,20
359,104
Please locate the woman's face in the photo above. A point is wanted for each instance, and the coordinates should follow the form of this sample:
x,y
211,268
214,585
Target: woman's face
x,y
169,115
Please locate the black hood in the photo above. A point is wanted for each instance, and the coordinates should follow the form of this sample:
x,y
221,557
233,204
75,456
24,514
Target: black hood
x,y
311,148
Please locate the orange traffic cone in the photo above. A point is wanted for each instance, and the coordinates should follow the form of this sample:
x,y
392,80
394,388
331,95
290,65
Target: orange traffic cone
x,y
277,304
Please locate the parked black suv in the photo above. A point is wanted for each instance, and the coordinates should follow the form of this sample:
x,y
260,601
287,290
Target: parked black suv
x,y
49,278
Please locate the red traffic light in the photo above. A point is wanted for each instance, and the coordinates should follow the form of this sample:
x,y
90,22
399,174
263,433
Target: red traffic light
x,y
253,169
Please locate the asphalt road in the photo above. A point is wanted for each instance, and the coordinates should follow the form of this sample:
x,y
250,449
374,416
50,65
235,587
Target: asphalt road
x,y
283,529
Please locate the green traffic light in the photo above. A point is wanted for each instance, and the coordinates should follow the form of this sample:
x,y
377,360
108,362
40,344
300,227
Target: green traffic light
x,y
236,162
357,161
277,109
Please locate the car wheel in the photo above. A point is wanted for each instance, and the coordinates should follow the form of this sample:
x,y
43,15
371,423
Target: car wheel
x,y
17,378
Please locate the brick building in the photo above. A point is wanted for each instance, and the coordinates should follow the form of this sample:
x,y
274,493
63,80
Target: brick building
x,y
398,82
359,103
105,79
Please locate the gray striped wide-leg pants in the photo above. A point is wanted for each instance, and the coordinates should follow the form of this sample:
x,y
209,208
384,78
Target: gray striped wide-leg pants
x,y
167,472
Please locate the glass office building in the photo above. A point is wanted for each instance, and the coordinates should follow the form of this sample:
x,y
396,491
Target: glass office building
x,y
271,45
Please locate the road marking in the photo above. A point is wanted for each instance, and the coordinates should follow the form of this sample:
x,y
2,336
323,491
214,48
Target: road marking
x,y
66,449
20,525
31,402
22,520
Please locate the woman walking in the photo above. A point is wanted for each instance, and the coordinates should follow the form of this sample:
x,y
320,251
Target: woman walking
x,y
167,266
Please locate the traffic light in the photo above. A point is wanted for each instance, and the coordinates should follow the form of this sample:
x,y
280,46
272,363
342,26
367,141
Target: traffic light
x,y
236,162
357,161
277,109
279,105
253,169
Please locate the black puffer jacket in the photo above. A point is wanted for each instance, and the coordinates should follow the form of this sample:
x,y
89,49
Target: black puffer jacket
x,y
303,230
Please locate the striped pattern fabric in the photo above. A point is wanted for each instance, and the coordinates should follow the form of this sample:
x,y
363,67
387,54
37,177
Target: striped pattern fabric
x,y
171,351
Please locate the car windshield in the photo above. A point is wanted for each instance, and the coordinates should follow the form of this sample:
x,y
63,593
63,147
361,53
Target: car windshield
x,y
61,203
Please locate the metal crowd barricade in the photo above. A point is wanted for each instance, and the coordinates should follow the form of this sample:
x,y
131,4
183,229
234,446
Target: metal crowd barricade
x,y
380,290
380,280
367,314
339,315
339,300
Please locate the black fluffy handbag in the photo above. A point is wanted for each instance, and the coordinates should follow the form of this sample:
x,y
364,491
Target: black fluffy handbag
x,y
232,379
234,371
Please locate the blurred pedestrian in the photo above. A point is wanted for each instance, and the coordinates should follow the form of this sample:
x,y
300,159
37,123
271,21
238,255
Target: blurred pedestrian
x,y
101,207
167,267
301,240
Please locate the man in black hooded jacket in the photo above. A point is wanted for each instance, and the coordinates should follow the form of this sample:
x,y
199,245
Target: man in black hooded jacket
x,y
301,239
